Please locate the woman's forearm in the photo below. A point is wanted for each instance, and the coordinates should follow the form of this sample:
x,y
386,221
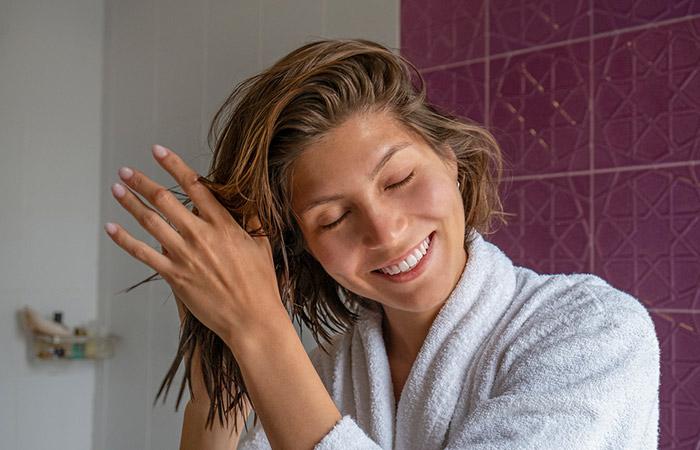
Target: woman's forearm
x,y
195,436
290,399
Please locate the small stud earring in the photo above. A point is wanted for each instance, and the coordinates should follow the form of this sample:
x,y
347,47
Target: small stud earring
x,y
457,184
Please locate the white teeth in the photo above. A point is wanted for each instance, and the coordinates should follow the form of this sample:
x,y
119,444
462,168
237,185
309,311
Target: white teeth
x,y
410,261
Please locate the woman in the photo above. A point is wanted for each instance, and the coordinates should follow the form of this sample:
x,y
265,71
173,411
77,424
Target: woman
x,y
372,204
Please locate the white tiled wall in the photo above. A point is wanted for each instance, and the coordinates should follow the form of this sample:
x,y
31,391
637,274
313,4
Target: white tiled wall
x,y
168,67
50,144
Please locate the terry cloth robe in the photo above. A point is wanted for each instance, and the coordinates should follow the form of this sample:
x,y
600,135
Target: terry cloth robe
x,y
513,360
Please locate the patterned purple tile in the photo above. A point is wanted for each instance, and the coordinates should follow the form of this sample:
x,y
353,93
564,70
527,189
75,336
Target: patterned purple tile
x,y
459,91
440,89
414,15
449,37
647,234
611,15
415,46
647,96
517,24
442,11
679,396
539,109
550,229
470,85
430,13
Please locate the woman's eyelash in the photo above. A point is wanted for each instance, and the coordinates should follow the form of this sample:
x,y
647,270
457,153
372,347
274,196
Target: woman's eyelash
x,y
334,224
393,186
402,182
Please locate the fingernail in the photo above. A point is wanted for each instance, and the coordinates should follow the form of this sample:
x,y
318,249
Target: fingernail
x,y
125,173
159,151
118,190
110,228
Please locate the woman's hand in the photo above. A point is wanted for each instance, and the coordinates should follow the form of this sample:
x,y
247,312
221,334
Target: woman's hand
x,y
222,274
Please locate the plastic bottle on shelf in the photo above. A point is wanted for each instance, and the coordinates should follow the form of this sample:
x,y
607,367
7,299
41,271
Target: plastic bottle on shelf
x,y
78,349
60,350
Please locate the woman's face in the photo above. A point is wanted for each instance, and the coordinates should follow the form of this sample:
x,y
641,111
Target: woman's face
x,y
374,220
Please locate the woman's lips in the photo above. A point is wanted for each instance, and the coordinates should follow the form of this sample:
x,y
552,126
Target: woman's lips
x,y
416,271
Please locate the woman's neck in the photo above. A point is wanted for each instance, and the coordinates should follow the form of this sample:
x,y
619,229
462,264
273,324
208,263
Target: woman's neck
x,y
404,332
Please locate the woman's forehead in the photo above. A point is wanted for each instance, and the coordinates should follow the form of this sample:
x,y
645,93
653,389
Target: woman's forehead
x,y
358,142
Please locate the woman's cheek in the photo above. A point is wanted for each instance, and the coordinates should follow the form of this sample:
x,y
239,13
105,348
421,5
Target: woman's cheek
x,y
330,255
430,196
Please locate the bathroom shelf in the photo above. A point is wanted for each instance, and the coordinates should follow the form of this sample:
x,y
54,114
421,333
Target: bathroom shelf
x,y
49,347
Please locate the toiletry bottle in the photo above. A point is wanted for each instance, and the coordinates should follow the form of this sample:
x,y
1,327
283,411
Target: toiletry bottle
x,y
59,349
79,347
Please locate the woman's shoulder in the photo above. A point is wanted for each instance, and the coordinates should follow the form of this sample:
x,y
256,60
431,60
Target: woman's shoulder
x,y
555,307
561,295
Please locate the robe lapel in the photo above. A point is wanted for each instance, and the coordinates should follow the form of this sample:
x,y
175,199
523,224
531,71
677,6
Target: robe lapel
x,y
440,371
374,397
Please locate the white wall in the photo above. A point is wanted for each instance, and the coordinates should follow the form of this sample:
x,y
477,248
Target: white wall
x,y
50,143
168,66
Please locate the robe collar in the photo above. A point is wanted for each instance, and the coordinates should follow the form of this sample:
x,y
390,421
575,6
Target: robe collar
x,y
438,375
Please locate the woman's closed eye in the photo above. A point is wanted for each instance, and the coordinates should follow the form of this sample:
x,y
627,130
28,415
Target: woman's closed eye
x,y
393,186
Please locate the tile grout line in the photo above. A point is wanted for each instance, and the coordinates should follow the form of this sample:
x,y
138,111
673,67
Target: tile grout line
x,y
574,173
672,212
487,65
580,40
591,143
155,118
204,73
674,310
104,308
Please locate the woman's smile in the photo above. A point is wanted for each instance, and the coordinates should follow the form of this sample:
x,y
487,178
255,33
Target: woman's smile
x,y
416,270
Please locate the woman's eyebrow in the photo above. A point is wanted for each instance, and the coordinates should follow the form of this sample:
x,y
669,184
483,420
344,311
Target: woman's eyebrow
x,y
391,151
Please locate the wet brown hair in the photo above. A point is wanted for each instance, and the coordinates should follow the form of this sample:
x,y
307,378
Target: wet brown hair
x,y
255,137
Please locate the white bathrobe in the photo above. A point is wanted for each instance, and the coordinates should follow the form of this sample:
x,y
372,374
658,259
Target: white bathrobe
x,y
514,360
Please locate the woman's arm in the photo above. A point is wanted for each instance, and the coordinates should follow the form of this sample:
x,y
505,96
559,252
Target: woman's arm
x,y
195,436
289,397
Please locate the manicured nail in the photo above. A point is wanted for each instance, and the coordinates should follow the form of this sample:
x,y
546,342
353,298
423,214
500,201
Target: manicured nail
x,y
125,173
118,190
110,228
159,151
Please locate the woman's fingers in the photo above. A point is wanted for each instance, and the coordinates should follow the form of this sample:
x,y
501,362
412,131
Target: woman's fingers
x,y
208,206
140,250
148,218
163,200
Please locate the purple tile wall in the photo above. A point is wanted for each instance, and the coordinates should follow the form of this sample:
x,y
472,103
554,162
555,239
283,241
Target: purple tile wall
x,y
596,104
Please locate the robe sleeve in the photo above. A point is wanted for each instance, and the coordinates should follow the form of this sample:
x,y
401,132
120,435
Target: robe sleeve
x,y
345,435
582,380
254,439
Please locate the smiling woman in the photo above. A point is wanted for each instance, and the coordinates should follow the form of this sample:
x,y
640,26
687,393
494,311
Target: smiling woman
x,y
364,207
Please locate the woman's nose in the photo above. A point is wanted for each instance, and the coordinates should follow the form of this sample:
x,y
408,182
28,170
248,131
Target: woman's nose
x,y
383,227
